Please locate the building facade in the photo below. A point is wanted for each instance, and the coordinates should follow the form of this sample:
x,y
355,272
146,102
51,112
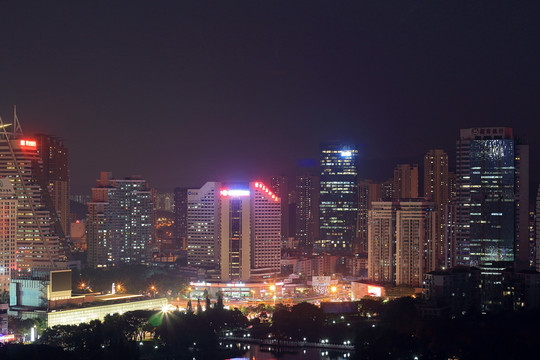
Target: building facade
x,y
491,207
307,210
120,222
405,182
8,229
338,198
38,245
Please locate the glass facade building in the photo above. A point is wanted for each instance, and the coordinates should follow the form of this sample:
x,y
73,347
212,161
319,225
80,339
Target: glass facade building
x,y
338,199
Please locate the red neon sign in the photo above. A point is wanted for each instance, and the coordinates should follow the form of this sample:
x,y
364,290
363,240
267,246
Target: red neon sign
x,y
28,143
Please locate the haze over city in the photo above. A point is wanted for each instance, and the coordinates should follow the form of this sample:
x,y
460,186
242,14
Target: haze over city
x,y
185,92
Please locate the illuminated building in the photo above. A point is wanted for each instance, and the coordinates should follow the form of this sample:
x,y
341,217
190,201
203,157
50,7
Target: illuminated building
x,y
381,242
492,205
8,229
203,221
47,294
235,230
416,229
401,242
119,226
37,242
180,216
54,157
307,210
338,199
436,189
405,182
250,233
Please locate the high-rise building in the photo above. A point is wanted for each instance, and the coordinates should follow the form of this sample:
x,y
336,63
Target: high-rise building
x,y
338,198
180,216
401,241
8,229
54,156
491,208
368,192
280,187
235,229
203,222
307,210
387,190
436,189
250,233
120,222
38,245
416,248
405,182
382,242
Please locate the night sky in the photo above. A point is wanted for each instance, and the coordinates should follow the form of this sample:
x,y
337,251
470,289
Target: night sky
x,y
184,92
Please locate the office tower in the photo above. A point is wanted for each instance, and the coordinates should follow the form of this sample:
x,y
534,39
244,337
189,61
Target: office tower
x,y
8,229
338,198
37,243
400,241
436,189
250,233
280,187
416,248
405,181
491,208
307,210
180,216
203,221
54,156
368,192
538,229
382,242
120,219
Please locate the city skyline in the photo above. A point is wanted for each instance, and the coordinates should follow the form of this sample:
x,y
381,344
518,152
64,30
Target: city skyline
x,y
396,80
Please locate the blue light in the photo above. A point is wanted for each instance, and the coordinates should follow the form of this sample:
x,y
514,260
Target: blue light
x,y
346,153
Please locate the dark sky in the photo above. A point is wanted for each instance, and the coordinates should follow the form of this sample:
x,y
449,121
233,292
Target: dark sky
x,y
182,92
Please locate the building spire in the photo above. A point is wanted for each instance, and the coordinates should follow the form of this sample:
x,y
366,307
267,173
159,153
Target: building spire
x,y
17,130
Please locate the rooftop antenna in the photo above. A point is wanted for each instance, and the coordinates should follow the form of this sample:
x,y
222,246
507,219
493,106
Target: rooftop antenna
x,y
17,130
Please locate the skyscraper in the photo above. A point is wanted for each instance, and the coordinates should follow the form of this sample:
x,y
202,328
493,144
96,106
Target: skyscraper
x,y
37,242
235,229
54,156
401,241
120,219
180,216
307,210
338,199
405,181
416,230
280,187
368,192
8,229
203,221
490,206
382,242
436,189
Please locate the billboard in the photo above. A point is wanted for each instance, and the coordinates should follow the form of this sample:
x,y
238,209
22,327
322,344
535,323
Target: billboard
x,y
61,280
321,281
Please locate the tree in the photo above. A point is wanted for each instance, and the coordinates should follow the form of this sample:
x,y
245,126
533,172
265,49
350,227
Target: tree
x,y
199,307
219,303
207,303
